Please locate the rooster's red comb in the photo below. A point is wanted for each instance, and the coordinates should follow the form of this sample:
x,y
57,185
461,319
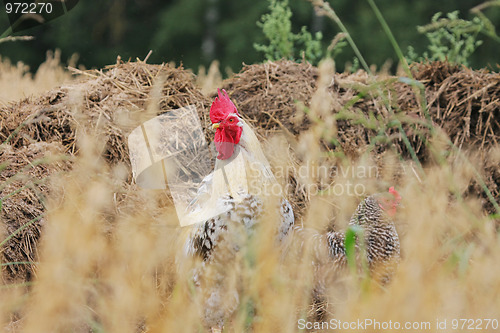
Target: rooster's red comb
x,y
221,107
395,193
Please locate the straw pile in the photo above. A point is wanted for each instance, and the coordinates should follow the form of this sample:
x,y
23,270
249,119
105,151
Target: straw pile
x,y
112,98
109,102
463,102
272,96
460,101
267,94
24,187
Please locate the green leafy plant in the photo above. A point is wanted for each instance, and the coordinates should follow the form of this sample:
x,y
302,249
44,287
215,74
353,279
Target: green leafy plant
x,y
450,38
283,43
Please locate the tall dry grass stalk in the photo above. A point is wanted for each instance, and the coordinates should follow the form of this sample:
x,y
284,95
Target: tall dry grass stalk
x,y
17,82
208,81
108,269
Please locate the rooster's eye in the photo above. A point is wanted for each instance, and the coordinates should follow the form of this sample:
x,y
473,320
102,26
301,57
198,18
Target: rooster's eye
x,y
231,120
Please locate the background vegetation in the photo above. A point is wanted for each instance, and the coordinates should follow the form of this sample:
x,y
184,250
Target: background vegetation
x,y
196,32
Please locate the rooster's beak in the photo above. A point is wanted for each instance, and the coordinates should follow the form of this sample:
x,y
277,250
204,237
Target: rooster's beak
x,y
215,126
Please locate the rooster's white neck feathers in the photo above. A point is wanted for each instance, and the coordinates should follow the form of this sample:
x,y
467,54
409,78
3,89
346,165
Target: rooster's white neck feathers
x,y
247,171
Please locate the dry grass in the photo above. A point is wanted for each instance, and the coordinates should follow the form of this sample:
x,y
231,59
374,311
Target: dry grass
x,y
18,83
106,257
208,81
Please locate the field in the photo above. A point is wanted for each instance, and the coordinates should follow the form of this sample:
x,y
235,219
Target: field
x,y
84,249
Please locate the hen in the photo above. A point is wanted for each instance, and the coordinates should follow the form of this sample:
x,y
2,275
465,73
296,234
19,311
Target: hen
x,y
381,241
377,245
238,187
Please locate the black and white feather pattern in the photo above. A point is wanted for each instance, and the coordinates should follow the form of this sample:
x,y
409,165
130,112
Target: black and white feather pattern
x,y
218,244
380,243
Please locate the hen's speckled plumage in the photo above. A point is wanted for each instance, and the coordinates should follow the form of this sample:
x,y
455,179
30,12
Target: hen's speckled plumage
x,y
381,239
380,242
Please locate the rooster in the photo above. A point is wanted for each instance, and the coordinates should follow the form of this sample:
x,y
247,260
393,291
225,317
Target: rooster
x,y
228,205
